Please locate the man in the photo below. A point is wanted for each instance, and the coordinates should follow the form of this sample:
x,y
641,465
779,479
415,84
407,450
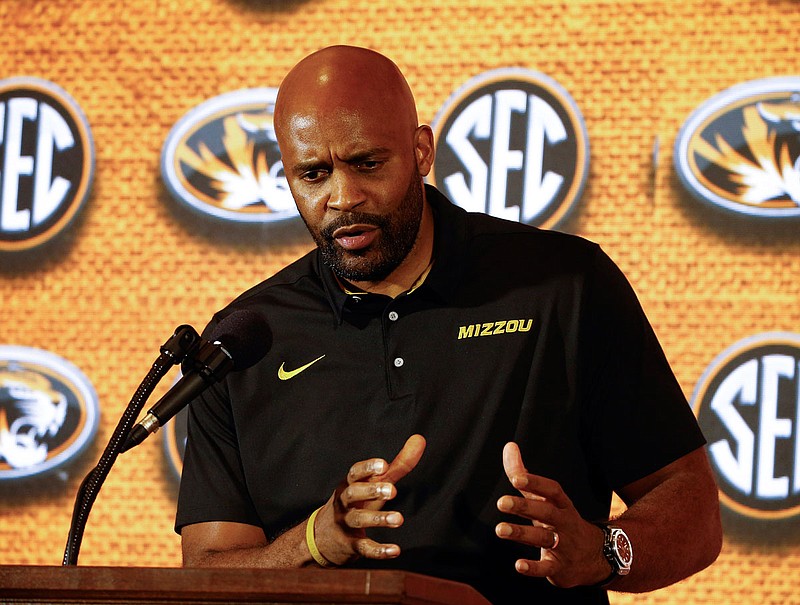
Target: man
x,y
484,358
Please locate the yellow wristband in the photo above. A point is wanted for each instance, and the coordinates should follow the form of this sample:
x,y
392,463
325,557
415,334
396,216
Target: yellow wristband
x,y
312,543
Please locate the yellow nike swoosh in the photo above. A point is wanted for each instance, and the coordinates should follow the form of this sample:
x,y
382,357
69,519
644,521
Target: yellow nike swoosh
x,y
286,375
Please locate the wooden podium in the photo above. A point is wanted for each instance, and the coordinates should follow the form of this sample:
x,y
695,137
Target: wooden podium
x,y
75,584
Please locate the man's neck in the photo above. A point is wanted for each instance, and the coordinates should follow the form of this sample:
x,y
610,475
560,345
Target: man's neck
x,y
390,287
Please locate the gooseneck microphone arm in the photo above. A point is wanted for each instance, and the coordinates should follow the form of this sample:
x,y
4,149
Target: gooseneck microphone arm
x,y
181,344
241,339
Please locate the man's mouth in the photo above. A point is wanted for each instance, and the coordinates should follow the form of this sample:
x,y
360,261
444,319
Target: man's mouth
x,y
355,237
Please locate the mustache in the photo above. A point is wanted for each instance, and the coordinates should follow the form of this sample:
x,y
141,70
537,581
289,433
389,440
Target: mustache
x,y
353,218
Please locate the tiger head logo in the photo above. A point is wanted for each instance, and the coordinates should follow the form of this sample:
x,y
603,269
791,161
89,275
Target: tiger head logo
x,y
741,150
38,412
49,412
223,159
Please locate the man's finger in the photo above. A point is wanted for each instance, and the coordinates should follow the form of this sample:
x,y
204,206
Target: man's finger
x,y
512,460
536,509
540,569
358,518
367,492
366,470
528,534
369,549
535,487
515,470
405,461
532,487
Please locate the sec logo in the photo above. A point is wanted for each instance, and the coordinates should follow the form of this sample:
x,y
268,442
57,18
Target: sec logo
x,y
512,143
748,405
46,162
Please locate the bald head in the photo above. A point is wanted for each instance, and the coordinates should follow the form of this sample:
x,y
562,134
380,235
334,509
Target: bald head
x,y
342,79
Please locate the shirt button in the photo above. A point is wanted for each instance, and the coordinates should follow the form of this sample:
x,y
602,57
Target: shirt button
x,y
393,316
398,362
356,299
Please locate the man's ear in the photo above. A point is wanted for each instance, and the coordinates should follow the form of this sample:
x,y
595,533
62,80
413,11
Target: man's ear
x,y
424,149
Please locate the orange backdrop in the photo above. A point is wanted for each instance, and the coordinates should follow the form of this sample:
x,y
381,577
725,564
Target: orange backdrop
x,y
135,265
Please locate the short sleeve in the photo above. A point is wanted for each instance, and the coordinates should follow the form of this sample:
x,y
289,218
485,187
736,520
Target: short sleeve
x,y
212,486
640,418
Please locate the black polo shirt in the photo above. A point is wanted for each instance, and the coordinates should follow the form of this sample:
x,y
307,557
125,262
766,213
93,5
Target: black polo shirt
x,y
516,334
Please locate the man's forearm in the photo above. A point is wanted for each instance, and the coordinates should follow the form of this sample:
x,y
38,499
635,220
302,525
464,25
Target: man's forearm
x,y
674,528
289,550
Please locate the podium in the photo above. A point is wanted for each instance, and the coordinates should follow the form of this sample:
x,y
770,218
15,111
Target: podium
x,y
75,584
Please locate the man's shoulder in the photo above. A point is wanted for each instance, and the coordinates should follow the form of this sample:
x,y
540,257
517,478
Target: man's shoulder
x,y
477,227
506,237
298,279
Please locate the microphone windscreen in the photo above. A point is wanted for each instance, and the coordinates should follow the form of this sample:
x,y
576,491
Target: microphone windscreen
x,y
245,335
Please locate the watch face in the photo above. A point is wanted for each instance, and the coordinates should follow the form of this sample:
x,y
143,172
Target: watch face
x,y
623,548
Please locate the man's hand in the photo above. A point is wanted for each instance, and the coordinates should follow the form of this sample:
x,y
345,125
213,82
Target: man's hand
x,y
357,504
571,548
340,526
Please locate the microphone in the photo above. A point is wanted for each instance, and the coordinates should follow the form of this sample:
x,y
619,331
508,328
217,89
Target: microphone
x,y
238,342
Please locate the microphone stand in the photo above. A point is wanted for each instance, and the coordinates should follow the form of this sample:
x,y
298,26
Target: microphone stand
x,y
181,344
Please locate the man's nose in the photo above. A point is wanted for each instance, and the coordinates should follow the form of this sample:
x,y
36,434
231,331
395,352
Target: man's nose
x,y
346,192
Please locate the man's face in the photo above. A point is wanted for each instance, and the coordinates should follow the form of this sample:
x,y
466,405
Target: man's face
x,y
371,255
357,183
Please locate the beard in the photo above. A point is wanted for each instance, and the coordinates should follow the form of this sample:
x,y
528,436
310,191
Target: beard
x,y
398,234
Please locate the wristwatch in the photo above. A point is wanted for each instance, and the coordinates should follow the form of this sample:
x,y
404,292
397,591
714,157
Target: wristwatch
x,y
618,551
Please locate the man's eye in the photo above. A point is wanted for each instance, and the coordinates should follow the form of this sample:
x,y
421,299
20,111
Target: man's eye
x,y
369,164
313,176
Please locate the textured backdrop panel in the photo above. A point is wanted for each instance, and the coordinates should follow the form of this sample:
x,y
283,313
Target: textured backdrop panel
x,y
108,292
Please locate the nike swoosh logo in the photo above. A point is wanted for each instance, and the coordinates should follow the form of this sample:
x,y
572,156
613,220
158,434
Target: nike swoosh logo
x,y
286,375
